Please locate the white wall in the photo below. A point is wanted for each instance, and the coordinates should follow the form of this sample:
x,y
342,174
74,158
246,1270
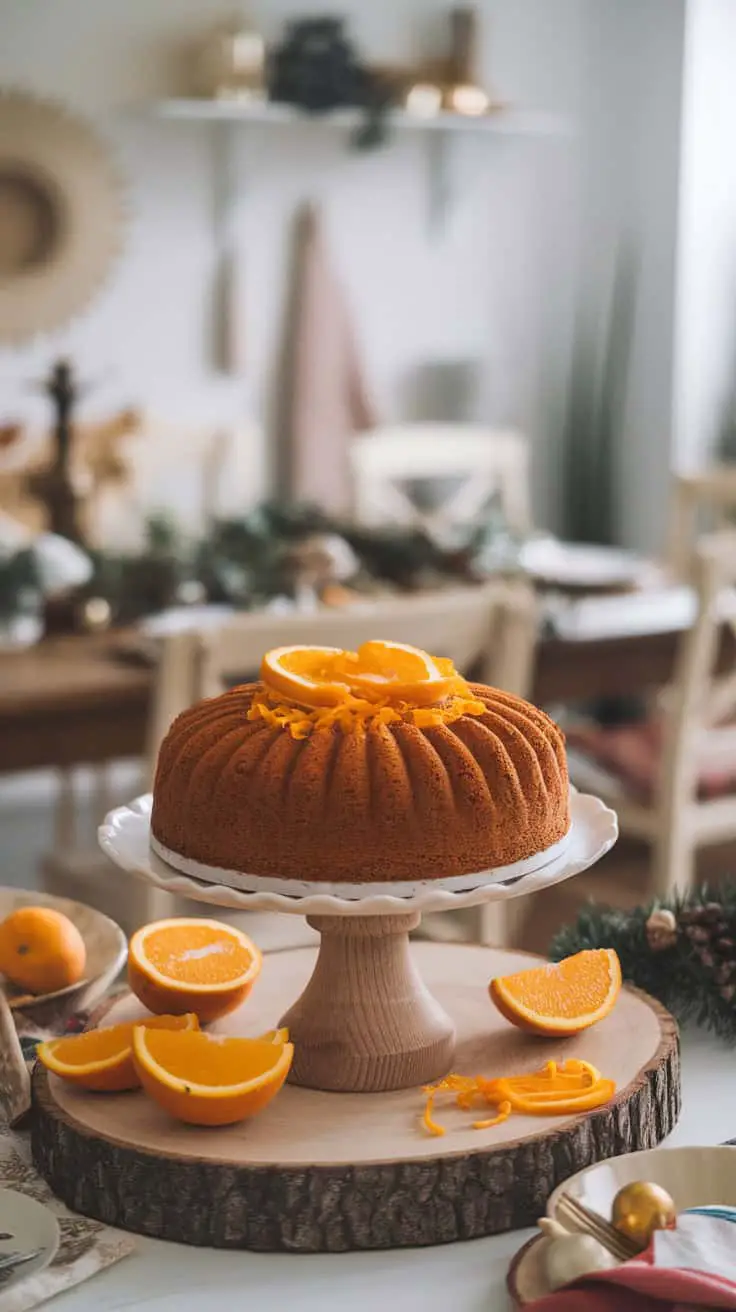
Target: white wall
x,y
495,288
536,228
706,313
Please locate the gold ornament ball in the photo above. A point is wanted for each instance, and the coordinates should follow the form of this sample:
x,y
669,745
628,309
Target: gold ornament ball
x,y
641,1208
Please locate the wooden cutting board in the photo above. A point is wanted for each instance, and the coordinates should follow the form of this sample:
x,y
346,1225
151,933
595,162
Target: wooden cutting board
x,y
330,1172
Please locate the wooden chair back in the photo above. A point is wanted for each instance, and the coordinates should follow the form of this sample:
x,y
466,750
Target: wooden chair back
x,y
490,629
474,463
702,502
699,700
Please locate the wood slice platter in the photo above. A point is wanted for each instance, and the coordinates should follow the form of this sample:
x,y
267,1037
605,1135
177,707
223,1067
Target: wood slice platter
x,y
332,1172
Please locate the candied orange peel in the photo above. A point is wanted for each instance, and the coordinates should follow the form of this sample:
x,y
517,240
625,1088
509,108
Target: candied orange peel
x,y
554,1090
318,688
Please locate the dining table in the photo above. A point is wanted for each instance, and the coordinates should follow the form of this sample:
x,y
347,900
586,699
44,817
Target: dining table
x,y
85,699
463,1277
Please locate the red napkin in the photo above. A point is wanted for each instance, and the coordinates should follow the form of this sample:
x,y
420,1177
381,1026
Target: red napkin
x,y
640,1287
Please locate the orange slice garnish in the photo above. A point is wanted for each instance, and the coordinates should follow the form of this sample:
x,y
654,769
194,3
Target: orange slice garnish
x,y
389,672
188,964
563,997
305,675
213,1081
102,1059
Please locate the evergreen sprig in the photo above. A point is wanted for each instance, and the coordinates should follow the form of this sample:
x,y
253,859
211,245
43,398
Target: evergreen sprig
x,y
687,985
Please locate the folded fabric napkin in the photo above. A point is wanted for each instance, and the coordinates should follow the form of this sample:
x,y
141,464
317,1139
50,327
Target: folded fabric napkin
x,y
693,1267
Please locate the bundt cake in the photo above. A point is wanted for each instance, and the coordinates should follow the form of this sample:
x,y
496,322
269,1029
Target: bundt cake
x,y
369,766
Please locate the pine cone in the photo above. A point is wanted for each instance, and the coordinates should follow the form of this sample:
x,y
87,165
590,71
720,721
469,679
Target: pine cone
x,y
661,930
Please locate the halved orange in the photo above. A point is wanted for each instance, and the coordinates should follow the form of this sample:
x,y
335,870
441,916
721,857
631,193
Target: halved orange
x,y
563,997
377,671
102,1059
213,1080
187,964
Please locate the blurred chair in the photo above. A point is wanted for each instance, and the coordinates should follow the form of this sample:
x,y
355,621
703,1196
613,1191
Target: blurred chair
x,y
701,503
672,779
489,627
437,475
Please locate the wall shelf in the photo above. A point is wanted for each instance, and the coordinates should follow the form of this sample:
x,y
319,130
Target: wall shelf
x,y
507,122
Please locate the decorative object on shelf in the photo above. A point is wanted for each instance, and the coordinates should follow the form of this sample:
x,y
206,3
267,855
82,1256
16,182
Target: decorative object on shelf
x,y
325,396
316,69
232,64
682,951
463,94
61,215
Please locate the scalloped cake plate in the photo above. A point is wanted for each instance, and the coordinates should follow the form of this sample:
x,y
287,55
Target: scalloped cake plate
x,y
126,838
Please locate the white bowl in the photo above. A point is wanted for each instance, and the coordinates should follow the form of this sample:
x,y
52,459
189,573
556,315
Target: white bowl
x,y
694,1177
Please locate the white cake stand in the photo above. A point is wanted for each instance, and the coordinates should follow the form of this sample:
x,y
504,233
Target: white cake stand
x,y
366,1021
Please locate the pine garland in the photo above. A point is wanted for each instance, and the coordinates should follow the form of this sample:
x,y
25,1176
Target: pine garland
x,y
682,951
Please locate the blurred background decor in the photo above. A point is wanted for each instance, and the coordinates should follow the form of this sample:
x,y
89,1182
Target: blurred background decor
x,y
61,214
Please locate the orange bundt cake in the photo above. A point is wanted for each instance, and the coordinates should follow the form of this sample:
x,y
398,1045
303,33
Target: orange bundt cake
x,y
351,767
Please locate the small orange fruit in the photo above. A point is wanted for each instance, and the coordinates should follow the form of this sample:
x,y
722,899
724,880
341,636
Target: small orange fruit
x,y
205,1079
102,1060
561,998
187,964
41,950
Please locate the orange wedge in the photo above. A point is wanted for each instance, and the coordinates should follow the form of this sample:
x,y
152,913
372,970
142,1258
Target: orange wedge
x,y
183,965
210,1080
563,997
377,671
102,1060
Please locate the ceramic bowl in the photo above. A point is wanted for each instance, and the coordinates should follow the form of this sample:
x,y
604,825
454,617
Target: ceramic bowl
x,y
694,1177
107,950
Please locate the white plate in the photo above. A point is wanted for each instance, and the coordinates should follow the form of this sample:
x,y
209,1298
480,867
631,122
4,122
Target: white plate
x,y
126,838
32,1226
694,1177
578,565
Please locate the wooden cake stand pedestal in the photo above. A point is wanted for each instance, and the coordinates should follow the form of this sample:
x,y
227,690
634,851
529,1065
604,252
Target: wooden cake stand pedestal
x,y
366,1022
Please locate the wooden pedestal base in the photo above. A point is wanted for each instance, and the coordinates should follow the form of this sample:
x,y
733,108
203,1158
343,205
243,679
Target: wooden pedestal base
x,y
366,1023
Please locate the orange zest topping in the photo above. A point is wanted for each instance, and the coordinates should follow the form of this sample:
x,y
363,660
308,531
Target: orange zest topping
x,y
564,1090
308,688
562,997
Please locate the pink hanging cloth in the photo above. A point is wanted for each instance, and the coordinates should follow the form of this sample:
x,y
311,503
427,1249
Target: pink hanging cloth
x,y
326,399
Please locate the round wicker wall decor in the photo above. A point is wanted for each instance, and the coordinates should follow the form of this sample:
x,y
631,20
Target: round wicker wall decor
x,y
61,215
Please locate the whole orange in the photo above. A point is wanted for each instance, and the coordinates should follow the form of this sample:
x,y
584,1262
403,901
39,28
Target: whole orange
x,y
41,950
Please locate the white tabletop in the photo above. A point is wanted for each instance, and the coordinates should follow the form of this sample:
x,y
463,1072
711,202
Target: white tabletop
x,y
467,1277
